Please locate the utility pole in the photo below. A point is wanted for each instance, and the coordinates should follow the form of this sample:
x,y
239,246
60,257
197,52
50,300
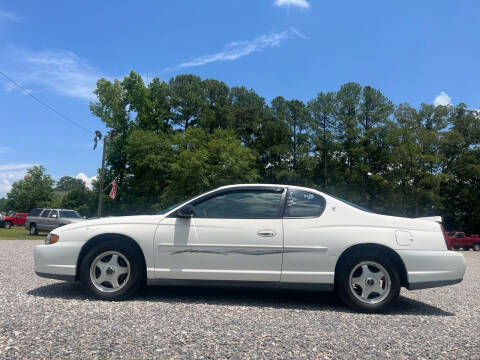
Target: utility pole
x,y
98,137
102,174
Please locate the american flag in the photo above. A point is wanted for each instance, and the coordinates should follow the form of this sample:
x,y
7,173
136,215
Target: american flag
x,y
113,192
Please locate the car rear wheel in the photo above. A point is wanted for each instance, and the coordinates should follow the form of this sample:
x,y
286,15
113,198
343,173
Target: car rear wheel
x,y
112,271
368,282
7,225
33,229
476,247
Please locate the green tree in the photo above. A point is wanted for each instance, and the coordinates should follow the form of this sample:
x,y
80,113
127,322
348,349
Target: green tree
x,y
82,200
216,112
36,190
187,100
3,205
203,162
323,109
349,132
67,183
295,117
248,111
375,110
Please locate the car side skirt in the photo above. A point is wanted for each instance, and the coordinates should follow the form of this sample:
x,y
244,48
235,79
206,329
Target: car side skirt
x,y
70,278
246,284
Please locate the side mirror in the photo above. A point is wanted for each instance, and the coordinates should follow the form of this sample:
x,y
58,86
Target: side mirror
x,y
186,211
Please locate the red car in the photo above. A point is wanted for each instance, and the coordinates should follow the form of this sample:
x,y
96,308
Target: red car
x,y
458,239
18,219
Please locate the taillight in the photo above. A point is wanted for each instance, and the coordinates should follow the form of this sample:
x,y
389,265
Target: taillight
x,y
445,237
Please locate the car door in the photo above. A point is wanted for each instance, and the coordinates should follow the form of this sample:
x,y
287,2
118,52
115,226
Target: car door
x,y
52,221
460,239
235,234
306,239
42,222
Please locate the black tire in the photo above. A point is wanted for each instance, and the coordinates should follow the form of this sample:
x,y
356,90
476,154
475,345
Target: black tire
x,y
132,283
476,247
33,229
345,291
7,225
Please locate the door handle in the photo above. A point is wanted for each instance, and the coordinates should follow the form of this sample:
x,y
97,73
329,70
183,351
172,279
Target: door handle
x,y
266,233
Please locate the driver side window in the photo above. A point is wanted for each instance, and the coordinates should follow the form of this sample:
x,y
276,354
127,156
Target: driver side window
x,y
245,204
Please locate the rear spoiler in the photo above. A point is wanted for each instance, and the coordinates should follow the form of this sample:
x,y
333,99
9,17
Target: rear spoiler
x,y
431,218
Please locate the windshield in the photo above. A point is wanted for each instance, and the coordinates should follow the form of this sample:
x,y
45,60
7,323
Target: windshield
x,y
352,204
70,214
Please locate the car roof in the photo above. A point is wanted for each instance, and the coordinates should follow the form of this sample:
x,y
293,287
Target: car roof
x,y
266,185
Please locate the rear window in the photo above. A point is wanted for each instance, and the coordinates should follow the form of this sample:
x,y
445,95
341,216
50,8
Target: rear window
x,y
35,212
69,214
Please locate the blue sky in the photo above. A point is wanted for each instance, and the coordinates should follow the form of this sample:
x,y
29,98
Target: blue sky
x,y
413,51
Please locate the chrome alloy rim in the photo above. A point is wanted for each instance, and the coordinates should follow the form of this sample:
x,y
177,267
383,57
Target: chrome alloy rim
x,y
110,271
370,282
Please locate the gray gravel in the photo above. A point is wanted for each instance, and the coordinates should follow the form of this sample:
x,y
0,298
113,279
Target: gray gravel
x,y
41,318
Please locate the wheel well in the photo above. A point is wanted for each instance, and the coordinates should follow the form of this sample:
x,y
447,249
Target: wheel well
x,y
391,254
32,223
90,244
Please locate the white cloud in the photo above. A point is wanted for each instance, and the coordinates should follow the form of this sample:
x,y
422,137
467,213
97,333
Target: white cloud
x,y
7,15
15,166
86,179
59,71
238,49
442,99
303,4
9,173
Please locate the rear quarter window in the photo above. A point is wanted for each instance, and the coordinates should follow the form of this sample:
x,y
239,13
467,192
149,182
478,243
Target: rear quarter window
x,y
35,212
303,204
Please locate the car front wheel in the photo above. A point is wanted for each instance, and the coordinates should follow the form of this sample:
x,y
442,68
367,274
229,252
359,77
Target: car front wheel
x,y
368,283
112,271
476,247
7,225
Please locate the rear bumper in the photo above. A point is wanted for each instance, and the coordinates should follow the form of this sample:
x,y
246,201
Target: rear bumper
x,y
57,261
427,269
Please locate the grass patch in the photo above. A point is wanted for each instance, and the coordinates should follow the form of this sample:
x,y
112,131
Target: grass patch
x,y
19,233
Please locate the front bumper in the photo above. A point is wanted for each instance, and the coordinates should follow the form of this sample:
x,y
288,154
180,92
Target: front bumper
x,y
57,261
427,269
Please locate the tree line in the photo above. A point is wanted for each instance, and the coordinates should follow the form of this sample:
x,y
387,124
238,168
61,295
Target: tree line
x,y
179,138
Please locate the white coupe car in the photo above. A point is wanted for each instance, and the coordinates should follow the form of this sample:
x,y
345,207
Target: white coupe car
x,y
256,234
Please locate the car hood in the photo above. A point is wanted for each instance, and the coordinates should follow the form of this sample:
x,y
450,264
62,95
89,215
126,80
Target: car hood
x,y
111,220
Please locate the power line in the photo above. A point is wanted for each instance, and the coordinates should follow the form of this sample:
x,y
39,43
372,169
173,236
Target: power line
x,y
26,92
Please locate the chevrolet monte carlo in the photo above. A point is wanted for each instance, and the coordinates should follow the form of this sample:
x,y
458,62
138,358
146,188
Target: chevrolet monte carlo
x,y
256,234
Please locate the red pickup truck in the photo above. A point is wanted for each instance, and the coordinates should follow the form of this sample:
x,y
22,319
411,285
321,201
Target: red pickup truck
x,y
458,239
18,219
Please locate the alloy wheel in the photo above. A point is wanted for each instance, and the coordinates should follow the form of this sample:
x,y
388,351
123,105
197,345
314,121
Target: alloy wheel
x,y
370,282
110,271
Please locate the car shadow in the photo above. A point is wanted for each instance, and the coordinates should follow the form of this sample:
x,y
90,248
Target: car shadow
x,y
240,296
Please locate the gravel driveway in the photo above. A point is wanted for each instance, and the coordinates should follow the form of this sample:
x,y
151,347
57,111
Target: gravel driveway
x,y
53,319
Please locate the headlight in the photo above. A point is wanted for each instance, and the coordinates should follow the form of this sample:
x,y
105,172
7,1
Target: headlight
x,y
51,238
